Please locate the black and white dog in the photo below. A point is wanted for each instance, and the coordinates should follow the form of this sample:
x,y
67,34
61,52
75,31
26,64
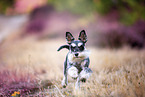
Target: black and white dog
x,y
77,60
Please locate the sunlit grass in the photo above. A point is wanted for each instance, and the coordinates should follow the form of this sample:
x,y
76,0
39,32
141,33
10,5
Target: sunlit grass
x,y
115,72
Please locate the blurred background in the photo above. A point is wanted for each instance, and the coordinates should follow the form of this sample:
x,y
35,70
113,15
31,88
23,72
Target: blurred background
x,y
111,23
31,31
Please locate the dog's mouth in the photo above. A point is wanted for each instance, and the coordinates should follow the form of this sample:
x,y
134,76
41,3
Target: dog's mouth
x,y
79,57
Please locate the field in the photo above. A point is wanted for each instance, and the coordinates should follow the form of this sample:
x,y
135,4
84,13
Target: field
x,y
31,31
35,68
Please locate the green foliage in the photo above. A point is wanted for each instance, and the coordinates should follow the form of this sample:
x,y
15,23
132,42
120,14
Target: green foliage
x,y
103,6
135,10
4,4
73,6
129,10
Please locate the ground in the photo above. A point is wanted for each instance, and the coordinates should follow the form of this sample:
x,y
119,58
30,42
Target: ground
x,y
115,72
33,66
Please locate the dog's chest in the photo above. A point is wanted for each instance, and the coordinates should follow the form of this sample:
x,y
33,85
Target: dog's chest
x,y
78,65
82,55
77,62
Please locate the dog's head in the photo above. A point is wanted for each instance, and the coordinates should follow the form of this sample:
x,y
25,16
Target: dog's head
x,y
77,47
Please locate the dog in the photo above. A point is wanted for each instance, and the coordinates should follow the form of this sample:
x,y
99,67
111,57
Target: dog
x,y
77,60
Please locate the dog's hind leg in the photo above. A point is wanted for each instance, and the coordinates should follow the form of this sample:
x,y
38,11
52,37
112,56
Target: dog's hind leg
x,y
77,84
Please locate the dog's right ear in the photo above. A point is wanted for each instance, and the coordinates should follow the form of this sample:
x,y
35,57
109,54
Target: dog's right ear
x,y
83,36
69,37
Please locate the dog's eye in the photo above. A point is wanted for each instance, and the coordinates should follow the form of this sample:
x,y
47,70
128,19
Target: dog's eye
x,y
73,48
81,48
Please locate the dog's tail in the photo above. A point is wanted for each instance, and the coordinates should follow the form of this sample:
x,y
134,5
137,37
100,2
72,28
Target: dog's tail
x,y
63,46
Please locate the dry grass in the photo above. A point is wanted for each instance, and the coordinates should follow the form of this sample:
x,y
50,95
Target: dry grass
x,y
115,72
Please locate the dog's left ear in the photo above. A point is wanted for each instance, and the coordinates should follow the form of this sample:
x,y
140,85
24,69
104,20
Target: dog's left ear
x,y
83,36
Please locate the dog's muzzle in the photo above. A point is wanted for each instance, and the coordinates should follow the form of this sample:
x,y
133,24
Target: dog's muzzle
x,y
76,54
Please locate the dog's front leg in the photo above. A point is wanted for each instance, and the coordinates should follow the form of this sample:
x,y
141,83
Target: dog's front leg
x,y
64,81
77,84
86,72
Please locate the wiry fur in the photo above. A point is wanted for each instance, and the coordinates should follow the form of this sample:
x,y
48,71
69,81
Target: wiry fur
x,y
82,55
77,60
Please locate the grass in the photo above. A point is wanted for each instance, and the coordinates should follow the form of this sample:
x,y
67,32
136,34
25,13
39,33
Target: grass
x,y
36,67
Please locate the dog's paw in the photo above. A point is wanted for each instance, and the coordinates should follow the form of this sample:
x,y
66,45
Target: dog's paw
x,y
83,80
74,78
73,72
63,84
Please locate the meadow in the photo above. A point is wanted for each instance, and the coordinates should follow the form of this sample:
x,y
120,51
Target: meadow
x,y
31,31
35,68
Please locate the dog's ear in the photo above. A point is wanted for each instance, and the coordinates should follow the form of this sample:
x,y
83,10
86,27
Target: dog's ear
x,y
83,36
69,37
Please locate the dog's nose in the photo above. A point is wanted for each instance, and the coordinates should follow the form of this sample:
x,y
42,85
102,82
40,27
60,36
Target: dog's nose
x,y
76,54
